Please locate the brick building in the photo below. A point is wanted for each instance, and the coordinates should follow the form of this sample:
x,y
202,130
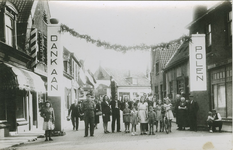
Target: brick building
x,y
216,24
22,51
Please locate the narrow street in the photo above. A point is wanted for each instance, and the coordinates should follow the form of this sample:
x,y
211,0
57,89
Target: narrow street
x,y
177,140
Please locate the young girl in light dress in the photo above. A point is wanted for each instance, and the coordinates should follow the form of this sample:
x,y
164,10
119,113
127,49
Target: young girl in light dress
x,y
159,118
126,117
134,120
168,111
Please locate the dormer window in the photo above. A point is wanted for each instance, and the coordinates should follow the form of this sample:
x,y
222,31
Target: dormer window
x,y
10,15
134,81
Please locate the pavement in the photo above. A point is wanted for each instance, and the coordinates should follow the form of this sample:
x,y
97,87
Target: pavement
x,y
33,140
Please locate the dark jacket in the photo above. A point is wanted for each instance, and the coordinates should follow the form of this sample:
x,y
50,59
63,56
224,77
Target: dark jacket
x,y
75,110
88,108
193,108
113,105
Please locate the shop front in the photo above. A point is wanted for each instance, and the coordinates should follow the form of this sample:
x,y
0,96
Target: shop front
x,y
221,90
20,90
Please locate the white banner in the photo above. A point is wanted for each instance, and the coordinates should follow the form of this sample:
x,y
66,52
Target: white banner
x,y
197,60
54,61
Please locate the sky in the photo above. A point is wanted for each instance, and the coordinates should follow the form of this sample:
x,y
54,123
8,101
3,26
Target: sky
x,y
128,23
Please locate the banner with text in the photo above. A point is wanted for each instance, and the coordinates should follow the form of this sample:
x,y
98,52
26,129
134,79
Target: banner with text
x,y
197,60
54,61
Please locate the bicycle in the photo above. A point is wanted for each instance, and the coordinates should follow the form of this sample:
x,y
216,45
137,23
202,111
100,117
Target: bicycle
x,y
167,124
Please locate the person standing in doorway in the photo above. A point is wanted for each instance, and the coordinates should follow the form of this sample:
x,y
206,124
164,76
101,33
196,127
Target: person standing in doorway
x,y
49,119
88,109
75,114
115,106
192,109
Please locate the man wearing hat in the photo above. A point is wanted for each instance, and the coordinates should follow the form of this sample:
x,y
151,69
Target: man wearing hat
x,y
192,109
88,109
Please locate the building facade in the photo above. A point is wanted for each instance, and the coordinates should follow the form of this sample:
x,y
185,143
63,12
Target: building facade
x,y
159,57
22,30
215,24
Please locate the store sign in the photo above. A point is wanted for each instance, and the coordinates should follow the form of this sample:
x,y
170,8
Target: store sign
x,y
197,60
54,61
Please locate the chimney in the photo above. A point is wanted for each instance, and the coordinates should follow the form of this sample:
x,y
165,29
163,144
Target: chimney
x,y
199,11
129,73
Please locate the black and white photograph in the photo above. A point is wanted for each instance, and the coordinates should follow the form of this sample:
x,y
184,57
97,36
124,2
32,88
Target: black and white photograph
x,y
119,75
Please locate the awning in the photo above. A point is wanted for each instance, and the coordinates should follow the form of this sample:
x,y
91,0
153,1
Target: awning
x,y
15,77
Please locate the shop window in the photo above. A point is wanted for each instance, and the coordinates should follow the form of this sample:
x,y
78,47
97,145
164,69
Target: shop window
x,y
229,19
171,87
20,107
157,68
220,99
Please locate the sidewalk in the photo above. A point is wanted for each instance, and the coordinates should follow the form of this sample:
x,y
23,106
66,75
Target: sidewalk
x,y
18,139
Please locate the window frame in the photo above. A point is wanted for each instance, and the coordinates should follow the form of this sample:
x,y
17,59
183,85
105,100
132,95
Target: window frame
x,y
209,35
229,26
11,12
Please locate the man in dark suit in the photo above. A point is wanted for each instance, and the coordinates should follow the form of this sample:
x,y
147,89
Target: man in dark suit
x,y
88,109
115,106
192,109
75,114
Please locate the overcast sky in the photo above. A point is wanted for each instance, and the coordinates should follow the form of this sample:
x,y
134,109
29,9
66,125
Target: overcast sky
x,y
126,23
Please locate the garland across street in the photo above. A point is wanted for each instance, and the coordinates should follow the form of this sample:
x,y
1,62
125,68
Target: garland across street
x,y
118,47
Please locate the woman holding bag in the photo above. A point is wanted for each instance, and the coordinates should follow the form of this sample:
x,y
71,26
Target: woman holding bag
x,y
105,113
49,118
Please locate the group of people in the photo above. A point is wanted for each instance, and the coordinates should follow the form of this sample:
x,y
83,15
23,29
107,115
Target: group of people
x,y
148,112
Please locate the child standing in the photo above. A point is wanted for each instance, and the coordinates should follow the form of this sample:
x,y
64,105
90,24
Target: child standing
x,y
134,120
151,120
158,110
168,112
210,121
126,117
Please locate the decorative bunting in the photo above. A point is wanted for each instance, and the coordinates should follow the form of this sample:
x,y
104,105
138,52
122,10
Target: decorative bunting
x,y
118,47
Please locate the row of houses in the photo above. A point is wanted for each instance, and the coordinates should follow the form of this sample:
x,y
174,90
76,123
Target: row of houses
x,y
23,65
128,83
170,69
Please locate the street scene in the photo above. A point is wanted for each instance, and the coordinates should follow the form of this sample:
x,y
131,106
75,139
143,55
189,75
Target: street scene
x,y
115,75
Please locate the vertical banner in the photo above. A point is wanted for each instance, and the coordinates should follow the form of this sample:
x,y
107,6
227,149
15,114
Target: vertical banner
x,y
197,60
55,75
54,61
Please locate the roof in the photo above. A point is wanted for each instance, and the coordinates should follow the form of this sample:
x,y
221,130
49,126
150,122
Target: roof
x,y
166,54
121,76
181,54
23,7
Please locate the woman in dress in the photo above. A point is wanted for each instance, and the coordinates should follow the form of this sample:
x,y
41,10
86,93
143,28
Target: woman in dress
x,y
143,114
105,113
49,118
182,112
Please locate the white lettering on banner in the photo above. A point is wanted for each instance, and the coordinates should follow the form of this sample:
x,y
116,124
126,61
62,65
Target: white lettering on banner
x,y
197,60
54,64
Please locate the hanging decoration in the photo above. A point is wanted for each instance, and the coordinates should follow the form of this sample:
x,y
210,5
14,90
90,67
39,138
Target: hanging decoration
x,y
118,47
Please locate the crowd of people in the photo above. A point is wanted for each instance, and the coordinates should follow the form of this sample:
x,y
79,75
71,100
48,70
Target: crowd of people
x,y
147,112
